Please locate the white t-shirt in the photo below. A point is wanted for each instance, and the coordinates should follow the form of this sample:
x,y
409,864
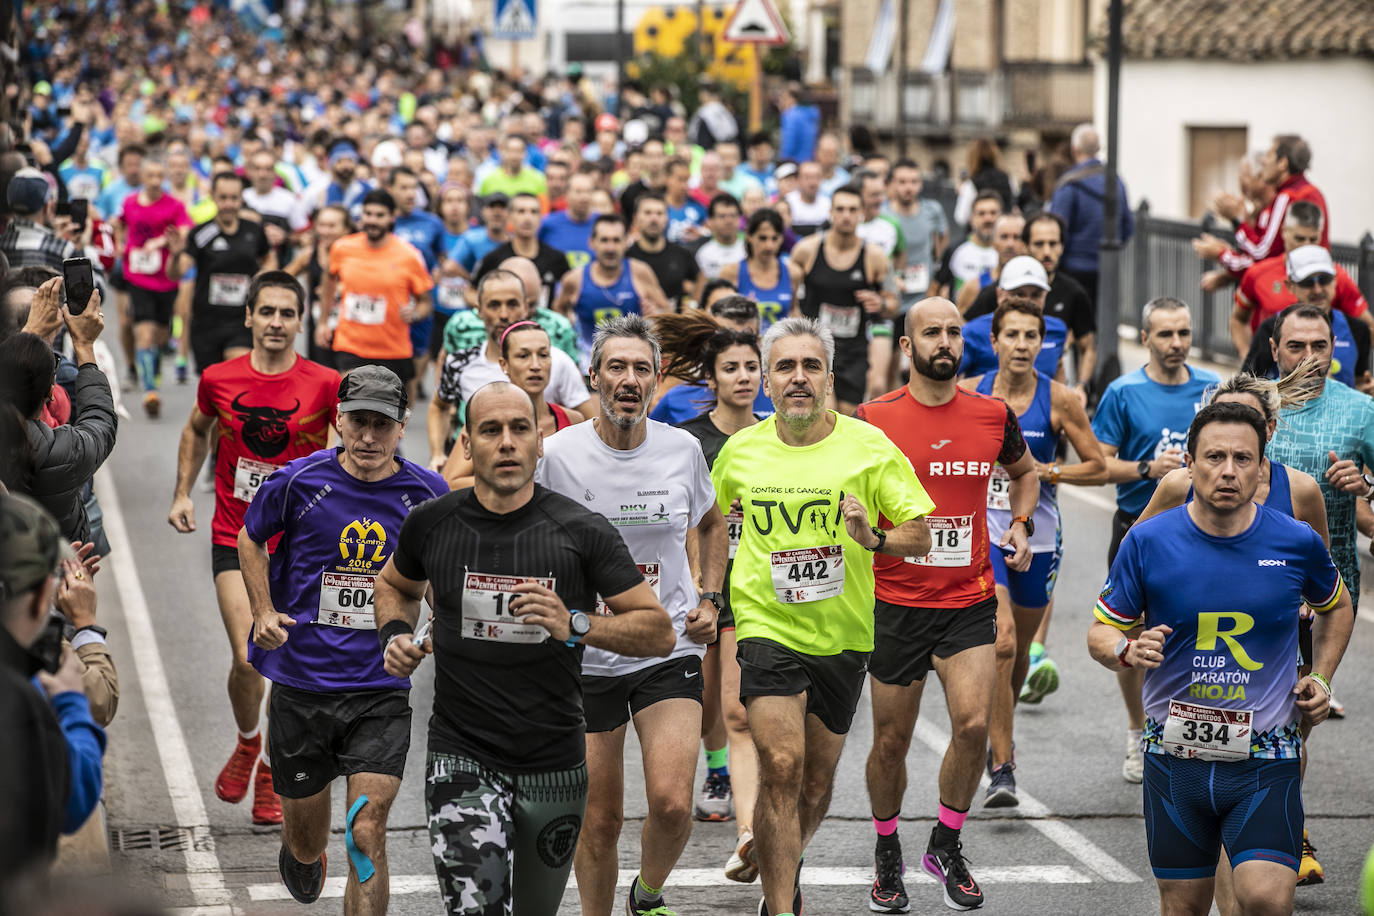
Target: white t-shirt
x,y
713,256
972,263
278,202
566,388
804,214
651,494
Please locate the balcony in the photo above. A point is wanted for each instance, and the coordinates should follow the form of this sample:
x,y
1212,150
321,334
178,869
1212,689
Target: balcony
x,y
1036,94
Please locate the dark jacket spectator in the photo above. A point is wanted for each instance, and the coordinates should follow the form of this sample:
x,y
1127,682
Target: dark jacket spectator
x,y
59,461
1078,200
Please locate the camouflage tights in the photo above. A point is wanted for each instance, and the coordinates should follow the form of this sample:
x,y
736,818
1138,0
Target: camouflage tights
x,y
503,842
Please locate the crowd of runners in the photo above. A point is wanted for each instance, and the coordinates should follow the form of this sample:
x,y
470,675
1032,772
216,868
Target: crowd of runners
x,y
720,428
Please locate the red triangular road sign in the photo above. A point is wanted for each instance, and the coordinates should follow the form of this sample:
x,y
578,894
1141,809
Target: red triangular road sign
x,y
756,22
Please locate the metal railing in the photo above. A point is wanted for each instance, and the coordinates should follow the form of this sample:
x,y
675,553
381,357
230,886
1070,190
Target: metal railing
x,y
1040,93
1159,261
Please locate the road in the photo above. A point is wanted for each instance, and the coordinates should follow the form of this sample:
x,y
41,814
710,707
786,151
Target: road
x,y
1076,845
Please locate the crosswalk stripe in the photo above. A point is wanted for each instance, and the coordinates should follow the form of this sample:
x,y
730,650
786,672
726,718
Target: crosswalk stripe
x,y
819,876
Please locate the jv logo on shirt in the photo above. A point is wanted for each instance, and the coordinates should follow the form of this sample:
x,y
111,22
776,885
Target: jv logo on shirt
x,y
814,511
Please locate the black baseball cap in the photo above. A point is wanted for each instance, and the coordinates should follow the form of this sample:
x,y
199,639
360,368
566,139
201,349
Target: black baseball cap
x,y
496,199
373,388
31,545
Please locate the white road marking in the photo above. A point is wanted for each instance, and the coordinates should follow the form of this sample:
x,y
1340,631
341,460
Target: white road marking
x,y
1090,496
714,877
1088,853
188,807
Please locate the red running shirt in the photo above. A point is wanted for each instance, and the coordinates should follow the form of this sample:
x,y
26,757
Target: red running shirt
x,y
953,448
1262,290
264,422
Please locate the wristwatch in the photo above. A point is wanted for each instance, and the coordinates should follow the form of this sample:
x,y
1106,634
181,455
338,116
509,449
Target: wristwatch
x,y
1027,522
1142,468
881,535
716,598
99,631
1122,646
578,624
1054,474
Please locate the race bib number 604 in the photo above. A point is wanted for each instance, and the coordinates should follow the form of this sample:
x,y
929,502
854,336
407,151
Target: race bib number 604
x,y
346,601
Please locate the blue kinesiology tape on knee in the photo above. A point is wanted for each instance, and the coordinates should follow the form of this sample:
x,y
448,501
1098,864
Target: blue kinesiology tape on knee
x,y
361,863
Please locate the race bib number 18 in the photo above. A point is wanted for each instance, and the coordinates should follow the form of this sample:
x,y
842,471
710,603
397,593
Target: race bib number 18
x,y
951,542
487,612
807,574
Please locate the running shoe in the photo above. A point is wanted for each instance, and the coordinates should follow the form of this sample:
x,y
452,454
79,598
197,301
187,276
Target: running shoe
x,y
232,784
1309,869
1133,767
131,381
1042,679
714,802
305,882
1002,790
796,898
266,804
182,371
988,760
947,865
152,405
633,907
888,894
742,866
1337,708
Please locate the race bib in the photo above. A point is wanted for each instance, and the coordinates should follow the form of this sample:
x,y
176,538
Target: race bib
x,y
1207,733
842,320
362,309
346,601
914,280
248,476
951,542
650,571
999,489
734,524
229,289
450,294
145,262
807,574
487,612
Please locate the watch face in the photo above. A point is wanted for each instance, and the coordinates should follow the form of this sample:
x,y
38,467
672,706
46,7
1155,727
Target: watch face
x,y
580,624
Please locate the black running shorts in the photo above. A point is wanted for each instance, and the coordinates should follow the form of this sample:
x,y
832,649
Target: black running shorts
x,y
610,702
223,559
314,737
150,305
905,639
832,683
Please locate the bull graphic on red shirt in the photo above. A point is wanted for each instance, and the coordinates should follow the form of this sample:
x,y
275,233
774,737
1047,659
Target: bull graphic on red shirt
x,y
265,430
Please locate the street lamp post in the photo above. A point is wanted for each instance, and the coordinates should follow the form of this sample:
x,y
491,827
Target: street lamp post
x,y
1109,264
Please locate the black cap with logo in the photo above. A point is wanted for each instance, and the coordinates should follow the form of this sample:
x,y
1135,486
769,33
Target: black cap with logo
x,y
374,388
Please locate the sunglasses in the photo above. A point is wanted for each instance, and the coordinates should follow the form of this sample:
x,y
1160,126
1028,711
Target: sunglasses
x,y
1316,280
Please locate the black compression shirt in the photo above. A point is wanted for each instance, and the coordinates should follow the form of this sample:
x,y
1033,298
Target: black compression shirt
x,y
225,265
513,706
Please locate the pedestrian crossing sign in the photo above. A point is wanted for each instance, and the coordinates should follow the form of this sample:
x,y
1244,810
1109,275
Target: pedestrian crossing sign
x,y
515,20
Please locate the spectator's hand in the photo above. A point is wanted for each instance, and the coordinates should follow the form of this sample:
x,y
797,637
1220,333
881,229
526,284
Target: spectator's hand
x,y
1209,247
1229,206
1214,280
86,555
68,676
86,327
76,595
41,154
81,111
45,313
183,515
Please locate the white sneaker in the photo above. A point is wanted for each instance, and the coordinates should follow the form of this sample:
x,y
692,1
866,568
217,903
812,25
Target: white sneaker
x,y
1133,767
742,865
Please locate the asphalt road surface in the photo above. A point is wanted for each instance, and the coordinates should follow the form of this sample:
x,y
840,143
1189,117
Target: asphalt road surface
x,y
1075,845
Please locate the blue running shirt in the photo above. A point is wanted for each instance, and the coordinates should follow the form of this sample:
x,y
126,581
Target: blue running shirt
x,y
1233,606
1143,419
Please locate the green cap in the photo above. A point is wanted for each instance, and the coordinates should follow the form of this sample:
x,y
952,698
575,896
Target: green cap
x,y
31,545
42,87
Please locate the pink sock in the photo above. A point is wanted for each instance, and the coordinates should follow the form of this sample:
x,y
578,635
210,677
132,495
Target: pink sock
x,y
886,827
952,819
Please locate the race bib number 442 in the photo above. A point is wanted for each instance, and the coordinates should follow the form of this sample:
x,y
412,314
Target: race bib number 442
x,y
807,574
487,612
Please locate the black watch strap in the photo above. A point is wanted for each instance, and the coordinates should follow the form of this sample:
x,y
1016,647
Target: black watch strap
x,y
881,535
99,631
716,598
